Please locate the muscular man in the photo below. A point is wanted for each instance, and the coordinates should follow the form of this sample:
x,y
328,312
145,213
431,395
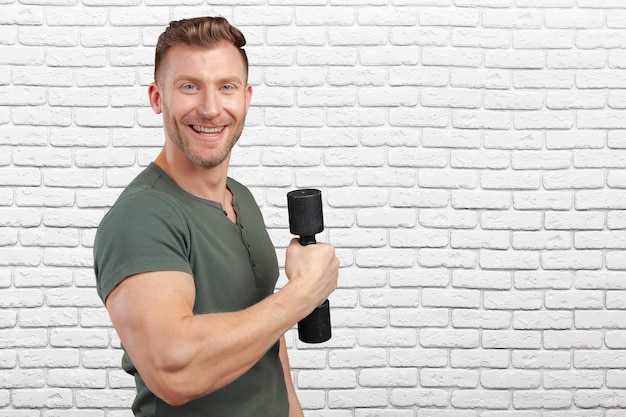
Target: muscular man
x,y
183,261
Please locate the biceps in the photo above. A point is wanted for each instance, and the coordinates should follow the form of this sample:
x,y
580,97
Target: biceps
x,y
146,308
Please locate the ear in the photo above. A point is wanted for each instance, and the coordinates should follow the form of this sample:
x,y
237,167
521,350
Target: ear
x,y
248,94
155,97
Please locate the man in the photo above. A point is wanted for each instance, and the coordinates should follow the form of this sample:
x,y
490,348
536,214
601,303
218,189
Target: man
x,y
183,261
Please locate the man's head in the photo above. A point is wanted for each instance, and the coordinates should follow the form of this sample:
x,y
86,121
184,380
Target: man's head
x,y
200,32
201,89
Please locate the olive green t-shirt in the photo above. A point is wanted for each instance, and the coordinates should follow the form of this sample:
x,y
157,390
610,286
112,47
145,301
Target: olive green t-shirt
x,y
157,226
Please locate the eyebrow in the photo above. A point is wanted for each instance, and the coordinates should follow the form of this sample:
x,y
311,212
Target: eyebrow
x,y
194,79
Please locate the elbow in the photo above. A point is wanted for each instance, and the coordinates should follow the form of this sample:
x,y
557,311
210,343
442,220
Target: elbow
x,y
171,381
172,389
174,398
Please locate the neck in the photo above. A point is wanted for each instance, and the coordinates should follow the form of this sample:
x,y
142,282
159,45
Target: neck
x,y
207,183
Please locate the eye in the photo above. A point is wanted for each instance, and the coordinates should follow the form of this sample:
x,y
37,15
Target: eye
x,y
189,87
228,87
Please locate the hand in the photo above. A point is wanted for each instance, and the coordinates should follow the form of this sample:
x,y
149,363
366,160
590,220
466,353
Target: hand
x,y
313,269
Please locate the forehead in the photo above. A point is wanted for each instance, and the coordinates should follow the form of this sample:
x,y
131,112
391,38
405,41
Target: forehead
x,y
221,61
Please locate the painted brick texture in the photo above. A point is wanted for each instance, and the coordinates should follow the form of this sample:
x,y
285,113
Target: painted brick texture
x,y
472,160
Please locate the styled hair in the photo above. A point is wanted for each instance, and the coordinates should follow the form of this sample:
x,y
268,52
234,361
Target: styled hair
x,y
201,32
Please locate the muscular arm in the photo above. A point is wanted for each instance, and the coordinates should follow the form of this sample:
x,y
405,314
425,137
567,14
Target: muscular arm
x,y
182,356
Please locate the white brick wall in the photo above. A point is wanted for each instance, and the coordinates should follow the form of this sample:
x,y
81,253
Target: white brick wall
x,y
472,157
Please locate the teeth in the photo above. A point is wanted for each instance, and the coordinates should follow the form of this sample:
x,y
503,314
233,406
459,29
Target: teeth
x,y
209,130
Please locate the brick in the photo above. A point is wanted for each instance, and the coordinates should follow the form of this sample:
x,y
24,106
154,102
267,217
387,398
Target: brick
x,y
545,39
356,358
404,397
541,119
480,78
586,200
335,379
411,317
535,359
565,59
541,240
479,398
616,220
541,160
444,178
558,79
435,277
600,79
424,117
517,59
22,96
501,180
545,399
512,19
462,298
517,300
418,76
380,298
372,397
615,339
440,97
340,76
387,97
42,116
513,140
605,398
465,318
614,378
98,398
372,258
529,320
58,16
605,319
460,17
480,119
576,139
572,339
436,218
572,260
448,378
481,279
510,379
21,378
462,199
424,239
479,358
360,318
447,56
414,35
324,16
49,358
435,258
455,138
420,198
506,100
508,339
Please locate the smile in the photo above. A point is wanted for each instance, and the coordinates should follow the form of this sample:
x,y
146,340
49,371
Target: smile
x,y
208,130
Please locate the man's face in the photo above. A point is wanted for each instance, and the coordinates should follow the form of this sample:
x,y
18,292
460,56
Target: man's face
x,y
204,97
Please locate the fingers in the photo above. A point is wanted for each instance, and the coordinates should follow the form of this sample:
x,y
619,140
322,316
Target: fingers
x,y
313,268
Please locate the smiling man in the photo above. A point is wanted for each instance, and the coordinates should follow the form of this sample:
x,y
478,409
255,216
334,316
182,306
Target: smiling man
x,y
183,261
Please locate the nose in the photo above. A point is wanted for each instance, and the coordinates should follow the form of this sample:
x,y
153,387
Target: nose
x,y
210,104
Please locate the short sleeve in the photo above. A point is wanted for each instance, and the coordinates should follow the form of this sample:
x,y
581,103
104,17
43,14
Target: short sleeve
x,y
143,232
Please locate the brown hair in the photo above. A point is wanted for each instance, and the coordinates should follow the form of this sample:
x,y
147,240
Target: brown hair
x,y
202,32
